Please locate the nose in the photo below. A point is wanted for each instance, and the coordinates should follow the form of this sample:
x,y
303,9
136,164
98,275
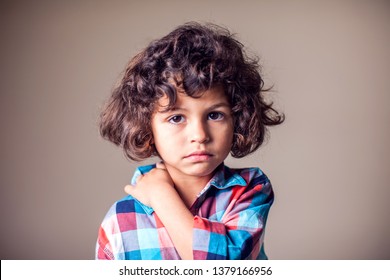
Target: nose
x,y
199,132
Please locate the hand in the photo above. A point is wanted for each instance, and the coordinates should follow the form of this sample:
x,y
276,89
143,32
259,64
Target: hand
x,y
155,184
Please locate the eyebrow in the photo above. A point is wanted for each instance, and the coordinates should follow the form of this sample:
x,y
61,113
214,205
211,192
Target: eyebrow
x,y
212,107
221,104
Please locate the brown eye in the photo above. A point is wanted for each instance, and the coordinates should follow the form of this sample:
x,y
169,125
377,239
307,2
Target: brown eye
x,y
176,119
215,116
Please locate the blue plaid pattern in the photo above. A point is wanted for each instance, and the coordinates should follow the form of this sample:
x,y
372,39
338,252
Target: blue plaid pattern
x,y
230,215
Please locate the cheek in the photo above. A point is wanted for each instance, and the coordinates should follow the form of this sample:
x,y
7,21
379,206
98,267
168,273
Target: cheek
x,y
229,138
165,140
224,136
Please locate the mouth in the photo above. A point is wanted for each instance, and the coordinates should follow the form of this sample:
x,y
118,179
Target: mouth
x,y
199,153
199,156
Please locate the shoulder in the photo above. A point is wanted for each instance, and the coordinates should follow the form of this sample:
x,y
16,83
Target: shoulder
x,y
123,206
250,193
129,204
251,175
257,185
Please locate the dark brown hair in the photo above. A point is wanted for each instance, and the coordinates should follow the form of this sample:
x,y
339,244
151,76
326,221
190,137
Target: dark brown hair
x,y
192,58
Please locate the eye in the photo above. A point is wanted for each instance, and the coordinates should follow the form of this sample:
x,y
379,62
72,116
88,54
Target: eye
x,y
215,116
176,119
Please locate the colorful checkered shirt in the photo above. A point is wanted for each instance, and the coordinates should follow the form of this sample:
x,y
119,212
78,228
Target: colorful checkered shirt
x,y
230,214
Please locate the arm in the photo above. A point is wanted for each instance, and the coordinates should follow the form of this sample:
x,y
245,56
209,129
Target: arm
x,y
168,205
178,221
106,238
103,246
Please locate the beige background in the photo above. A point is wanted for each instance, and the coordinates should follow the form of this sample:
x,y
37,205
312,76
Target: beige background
x,y
329,163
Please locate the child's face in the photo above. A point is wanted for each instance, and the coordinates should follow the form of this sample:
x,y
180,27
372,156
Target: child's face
x,y
196,135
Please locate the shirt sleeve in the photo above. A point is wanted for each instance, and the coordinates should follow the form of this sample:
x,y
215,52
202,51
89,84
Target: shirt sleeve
x,y
103,246
109,237
240,232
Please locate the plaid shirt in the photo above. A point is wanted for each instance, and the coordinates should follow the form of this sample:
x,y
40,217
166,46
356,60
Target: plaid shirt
x,y
230,214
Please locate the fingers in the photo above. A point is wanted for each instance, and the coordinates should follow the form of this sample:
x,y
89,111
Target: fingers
x,y
132,189
129,189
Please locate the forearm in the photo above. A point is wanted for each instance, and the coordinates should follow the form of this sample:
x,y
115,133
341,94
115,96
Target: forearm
x,y
178,221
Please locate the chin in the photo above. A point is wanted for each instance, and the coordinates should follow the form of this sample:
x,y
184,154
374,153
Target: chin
x,y
201,171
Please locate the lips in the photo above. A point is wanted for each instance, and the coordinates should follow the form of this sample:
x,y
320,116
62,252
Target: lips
x,y
199,153
199,156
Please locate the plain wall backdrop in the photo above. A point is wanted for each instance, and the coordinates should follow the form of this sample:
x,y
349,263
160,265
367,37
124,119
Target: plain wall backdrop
x,y
329,62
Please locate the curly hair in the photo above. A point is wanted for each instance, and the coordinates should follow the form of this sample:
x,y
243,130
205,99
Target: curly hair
x,y
192,58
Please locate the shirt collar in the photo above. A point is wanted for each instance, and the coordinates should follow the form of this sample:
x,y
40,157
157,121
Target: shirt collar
x,y
223,178
140,171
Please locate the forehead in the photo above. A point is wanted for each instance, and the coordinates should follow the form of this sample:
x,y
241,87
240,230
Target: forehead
x,y
207,98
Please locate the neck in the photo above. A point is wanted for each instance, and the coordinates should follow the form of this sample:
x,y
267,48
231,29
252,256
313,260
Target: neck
x,y
188,187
